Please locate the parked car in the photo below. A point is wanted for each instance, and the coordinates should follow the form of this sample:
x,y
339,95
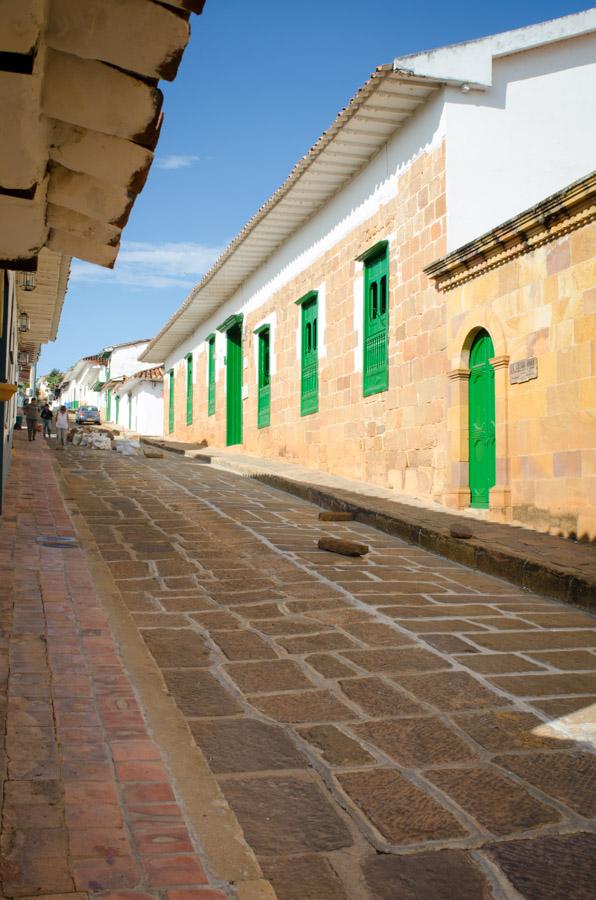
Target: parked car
x,y
87,415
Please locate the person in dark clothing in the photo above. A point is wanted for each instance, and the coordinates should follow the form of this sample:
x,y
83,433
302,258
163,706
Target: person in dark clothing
x,y
32,416
46,418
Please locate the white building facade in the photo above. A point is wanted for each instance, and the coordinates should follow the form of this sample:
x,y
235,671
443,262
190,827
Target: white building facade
x,y
91,381
138,402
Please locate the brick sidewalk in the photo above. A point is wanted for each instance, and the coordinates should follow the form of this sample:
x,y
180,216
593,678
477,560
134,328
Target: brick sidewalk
x,y
88,804
390,726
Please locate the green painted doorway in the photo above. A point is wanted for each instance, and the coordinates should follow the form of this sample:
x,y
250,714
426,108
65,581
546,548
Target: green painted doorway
x,y
234,385
482,449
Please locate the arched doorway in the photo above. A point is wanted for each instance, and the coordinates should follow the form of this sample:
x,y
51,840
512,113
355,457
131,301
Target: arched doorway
x,y
482,451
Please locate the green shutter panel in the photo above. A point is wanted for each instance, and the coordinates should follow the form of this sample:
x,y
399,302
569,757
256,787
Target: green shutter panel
x,y
376,325
171,402
211,389
108,406
189,376
309,392
264,383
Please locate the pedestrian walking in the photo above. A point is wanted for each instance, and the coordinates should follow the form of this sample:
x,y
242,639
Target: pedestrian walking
x,y
61,426
32,417
46,418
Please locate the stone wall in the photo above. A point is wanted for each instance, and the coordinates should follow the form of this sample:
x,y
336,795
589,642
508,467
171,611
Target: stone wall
x,y
538,305
394,438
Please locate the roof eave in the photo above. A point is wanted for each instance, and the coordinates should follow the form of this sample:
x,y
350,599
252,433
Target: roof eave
x,y
411,92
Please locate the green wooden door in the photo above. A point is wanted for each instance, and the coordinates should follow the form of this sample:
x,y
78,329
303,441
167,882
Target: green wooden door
x,y
309,392
211,374
234,385
376,325
482,421
189,377
171,402
264,384
108,406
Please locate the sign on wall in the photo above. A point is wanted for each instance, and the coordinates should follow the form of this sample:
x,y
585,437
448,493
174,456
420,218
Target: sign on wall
x,y
523,370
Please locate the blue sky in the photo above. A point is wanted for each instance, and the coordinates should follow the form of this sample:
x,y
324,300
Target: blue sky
x,y
258,84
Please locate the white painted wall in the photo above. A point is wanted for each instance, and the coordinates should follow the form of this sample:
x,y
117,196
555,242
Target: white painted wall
x,y
531,134
125,360
146,400
147,407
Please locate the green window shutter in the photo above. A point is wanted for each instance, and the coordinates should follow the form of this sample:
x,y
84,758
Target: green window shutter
x,y
264,384
108,406
376,322
309,384
211,364
189,376
171,402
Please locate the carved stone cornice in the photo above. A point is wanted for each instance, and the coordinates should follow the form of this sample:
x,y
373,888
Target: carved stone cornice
x,y
458,375
548,220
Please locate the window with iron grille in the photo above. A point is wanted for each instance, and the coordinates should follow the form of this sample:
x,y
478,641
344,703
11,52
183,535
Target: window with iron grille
x,y
376,319
189,376
264,377
211,375
309,384
171,401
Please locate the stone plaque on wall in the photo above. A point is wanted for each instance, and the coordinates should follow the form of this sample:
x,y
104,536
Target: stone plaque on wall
x,y
523,370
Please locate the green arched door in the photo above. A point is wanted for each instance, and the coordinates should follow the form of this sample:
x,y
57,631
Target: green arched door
x,y
482,420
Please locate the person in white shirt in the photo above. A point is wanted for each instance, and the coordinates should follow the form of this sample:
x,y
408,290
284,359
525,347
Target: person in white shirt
x,y
61,426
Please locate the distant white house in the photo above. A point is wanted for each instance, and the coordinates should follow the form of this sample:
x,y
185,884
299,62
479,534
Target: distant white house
x,y
123,362
90,381
137,401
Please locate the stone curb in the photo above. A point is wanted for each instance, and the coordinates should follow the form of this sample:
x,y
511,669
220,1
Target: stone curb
x,y
531,573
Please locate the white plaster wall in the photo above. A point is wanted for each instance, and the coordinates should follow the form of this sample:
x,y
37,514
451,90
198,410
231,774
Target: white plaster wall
x,y
354,204
125,360
147,408
531,134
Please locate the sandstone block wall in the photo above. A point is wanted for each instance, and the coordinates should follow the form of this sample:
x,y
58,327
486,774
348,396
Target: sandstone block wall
x,y
394,438
540,305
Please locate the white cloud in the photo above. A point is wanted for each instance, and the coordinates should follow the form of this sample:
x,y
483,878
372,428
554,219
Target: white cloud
x,y
175,161
144,265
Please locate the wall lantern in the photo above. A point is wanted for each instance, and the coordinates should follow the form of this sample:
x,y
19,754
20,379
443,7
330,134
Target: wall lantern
x,y
23,322
23,358
27,281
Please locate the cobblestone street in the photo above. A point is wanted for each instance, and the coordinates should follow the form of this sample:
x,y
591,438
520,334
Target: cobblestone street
x,y
392,726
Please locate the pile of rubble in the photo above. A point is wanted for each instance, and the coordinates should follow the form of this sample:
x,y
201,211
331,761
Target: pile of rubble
x,y
101,439
86,437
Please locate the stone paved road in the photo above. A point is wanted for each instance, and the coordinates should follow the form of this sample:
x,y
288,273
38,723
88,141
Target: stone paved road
x,y
388,727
